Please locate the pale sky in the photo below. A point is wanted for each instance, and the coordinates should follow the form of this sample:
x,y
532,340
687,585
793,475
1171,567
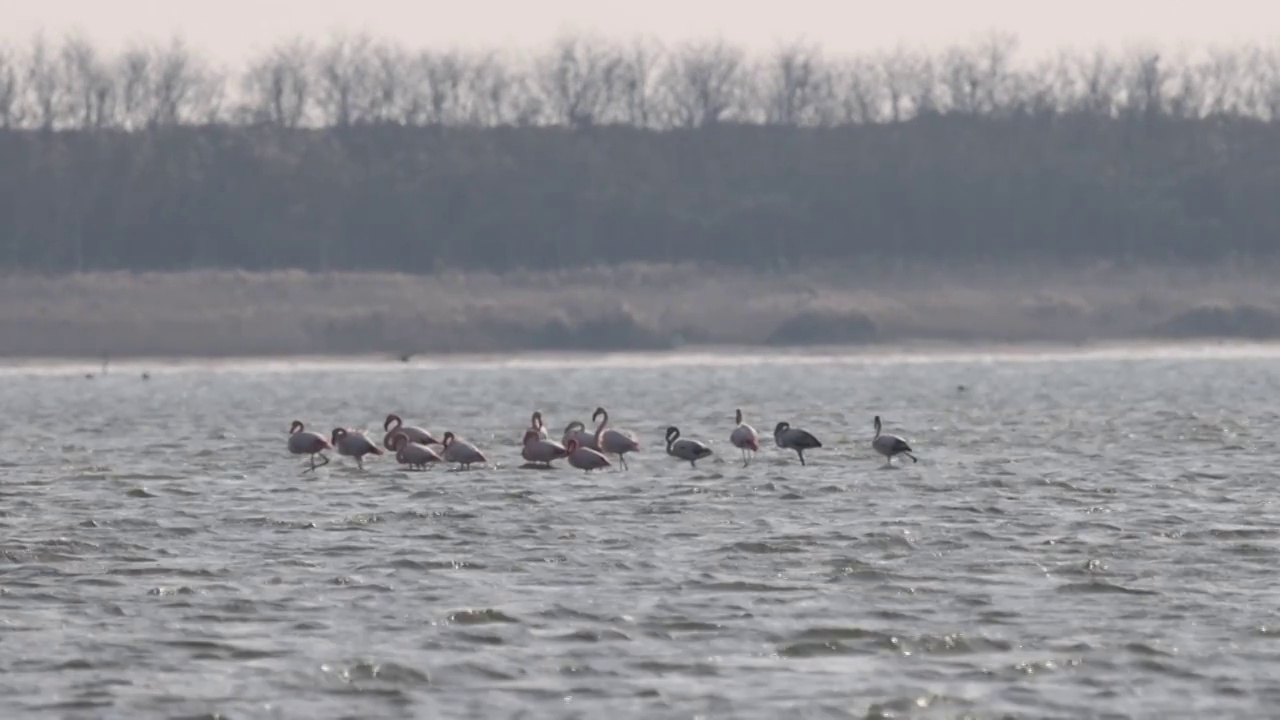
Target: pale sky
x,y
228,30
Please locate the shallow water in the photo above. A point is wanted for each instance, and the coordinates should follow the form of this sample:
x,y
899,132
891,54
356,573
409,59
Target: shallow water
x,y
1082,537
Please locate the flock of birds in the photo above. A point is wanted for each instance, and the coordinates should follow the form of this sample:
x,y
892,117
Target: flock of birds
x,y
581,449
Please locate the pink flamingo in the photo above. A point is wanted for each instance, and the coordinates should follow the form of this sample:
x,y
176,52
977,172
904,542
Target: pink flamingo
x,y
540,450
415,455
584,458
307,442
394,424
577,431
613,442
744,437
461,452
535,424
354,444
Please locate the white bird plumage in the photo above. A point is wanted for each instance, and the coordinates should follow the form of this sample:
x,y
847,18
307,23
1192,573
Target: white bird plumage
x,y
308,442
690,450
890,445
744,437
584,458
354,444
611,441
461,452
540,450
394,424
535,424
575,430
415,455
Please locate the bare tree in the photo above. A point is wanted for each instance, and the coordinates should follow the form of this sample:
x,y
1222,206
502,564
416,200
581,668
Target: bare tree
x,y
43,86
1145,81
579,80
87,87
1094,84
704,84
500,94
978,77
1262,87
277,87
1187,89
390,94
897,70
995,54
962,77
637,82
209,100
1220,77
919,75
1043,90
160,85
10,89
797,86
344,80
134,88
858,91
184,89
440,89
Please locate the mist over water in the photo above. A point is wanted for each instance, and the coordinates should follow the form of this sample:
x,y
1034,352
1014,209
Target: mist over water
x,y
1085,535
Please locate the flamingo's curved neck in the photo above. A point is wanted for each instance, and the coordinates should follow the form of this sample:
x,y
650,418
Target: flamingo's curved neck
x,y
604,420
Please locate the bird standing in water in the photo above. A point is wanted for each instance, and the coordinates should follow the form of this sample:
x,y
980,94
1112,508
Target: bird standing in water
x,y
890,445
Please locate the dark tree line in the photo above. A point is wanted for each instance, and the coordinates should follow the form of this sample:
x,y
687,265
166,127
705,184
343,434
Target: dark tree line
x,y
357,154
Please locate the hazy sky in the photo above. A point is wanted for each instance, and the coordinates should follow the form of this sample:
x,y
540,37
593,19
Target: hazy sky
x,y
229,29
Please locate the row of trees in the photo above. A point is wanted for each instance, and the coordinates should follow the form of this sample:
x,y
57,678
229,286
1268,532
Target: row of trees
x,y
581,81
358,155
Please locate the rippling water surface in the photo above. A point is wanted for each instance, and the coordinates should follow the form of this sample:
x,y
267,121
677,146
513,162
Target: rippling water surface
x,y
1082,537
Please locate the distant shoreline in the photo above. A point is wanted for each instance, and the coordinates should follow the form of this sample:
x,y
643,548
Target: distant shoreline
x,y
669,309
924,352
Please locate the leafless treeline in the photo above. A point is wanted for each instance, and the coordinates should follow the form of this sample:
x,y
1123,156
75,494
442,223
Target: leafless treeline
x,y
582,80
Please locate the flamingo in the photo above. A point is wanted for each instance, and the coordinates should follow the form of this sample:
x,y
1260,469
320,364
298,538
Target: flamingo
x,y
744,437
354,444
308,442
540,450
535,423
789,438
461,452
613,442
890,445
415,455
584,458
577,431
690,450
394,424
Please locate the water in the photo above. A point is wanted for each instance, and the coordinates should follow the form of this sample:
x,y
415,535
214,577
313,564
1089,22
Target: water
x,y
1083,537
